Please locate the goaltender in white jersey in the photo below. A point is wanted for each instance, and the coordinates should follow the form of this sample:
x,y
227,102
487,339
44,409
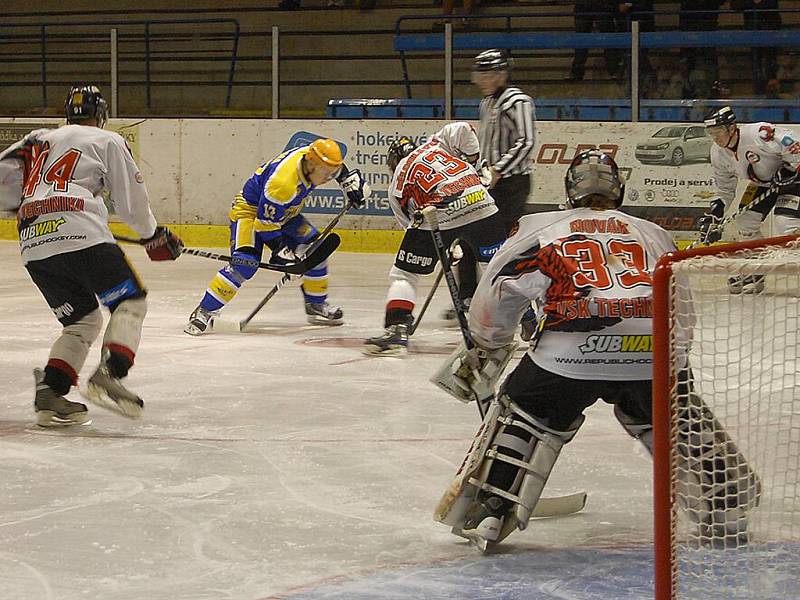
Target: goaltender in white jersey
x,y
589,268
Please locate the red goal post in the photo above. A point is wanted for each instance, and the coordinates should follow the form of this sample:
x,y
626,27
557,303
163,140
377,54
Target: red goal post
x,y
725,520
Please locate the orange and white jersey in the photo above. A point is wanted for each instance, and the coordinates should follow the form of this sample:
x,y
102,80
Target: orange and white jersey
x,y
60,176
762,150
590,270
432,176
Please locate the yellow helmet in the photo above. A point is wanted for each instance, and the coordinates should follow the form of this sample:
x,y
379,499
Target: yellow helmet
x,y
325,151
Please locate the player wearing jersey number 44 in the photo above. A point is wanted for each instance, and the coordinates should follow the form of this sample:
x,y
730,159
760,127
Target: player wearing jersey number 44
x,y
440,174
60,176
267,213
589,267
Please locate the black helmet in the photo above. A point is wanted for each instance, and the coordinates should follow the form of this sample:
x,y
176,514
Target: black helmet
x,y
593,172
85,102
398,150
492,60
720,116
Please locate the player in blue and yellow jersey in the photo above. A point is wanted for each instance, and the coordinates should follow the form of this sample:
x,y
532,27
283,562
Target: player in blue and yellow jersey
x,y
267,213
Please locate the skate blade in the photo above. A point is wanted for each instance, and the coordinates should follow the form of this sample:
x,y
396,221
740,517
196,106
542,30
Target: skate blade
x,y
196,331
127,408
322,321
400,352
475,541
50,419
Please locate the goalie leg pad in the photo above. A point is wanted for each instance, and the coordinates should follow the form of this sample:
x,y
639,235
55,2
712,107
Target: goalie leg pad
x,y
547,446
460,494
716,485
637,427
511,459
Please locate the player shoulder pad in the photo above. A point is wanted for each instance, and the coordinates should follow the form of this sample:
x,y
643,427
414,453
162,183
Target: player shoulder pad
x,y
281,187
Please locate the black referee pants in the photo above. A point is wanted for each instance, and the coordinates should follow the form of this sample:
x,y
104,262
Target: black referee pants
x,y
510,195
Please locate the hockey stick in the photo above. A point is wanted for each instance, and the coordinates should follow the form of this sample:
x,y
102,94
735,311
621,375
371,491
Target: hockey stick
x,y
560,506
763,196
431,218
455,257
322,251
286,278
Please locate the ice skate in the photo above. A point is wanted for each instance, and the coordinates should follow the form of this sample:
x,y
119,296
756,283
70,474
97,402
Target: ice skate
x,y
392,343
483,528
53,410
748,284
107,391
200,321
323,313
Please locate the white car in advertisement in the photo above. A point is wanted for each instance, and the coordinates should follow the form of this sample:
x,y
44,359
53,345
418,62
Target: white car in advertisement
x,y
675,145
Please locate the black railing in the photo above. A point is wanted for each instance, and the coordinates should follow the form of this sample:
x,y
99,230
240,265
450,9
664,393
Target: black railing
x,y
72,33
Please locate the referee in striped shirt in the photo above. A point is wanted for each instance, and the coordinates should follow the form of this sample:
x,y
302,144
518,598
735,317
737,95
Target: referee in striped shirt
x,y
507,133
507,137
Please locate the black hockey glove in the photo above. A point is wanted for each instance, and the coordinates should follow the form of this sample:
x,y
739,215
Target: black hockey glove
x,y
163,245
786,176
355,187
710,231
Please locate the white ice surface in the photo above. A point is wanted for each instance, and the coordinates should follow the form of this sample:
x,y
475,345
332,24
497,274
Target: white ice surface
x,y
266,466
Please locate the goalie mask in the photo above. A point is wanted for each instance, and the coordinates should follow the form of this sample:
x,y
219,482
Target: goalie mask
x,y
84,103
593,172
398,150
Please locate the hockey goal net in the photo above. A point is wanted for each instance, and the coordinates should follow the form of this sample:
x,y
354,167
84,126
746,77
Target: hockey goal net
x,y
726,414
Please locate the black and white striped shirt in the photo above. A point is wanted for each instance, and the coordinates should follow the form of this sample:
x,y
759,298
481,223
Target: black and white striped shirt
x,y
507,132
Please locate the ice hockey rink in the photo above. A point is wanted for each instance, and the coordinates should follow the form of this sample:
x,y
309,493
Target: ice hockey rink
x,y
283,463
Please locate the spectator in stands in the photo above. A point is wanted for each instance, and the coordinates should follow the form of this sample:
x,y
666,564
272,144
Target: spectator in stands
x,y
599,14
761,15
449,11
641,11
700,64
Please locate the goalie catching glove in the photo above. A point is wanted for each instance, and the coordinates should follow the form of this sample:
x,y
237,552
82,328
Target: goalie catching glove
x,y
163,245
354,187
710,231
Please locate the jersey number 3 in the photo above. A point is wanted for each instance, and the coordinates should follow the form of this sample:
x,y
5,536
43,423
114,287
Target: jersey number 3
x,y
426,174
592,261
59,174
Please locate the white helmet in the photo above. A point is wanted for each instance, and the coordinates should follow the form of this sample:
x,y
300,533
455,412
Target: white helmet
x,y
593,172
458,139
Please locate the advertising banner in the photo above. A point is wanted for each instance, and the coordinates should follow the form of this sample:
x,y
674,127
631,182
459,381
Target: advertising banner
x,y
194,167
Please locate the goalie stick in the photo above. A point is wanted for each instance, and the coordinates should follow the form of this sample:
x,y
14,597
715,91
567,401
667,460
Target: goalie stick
x,y
322,251
431,218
